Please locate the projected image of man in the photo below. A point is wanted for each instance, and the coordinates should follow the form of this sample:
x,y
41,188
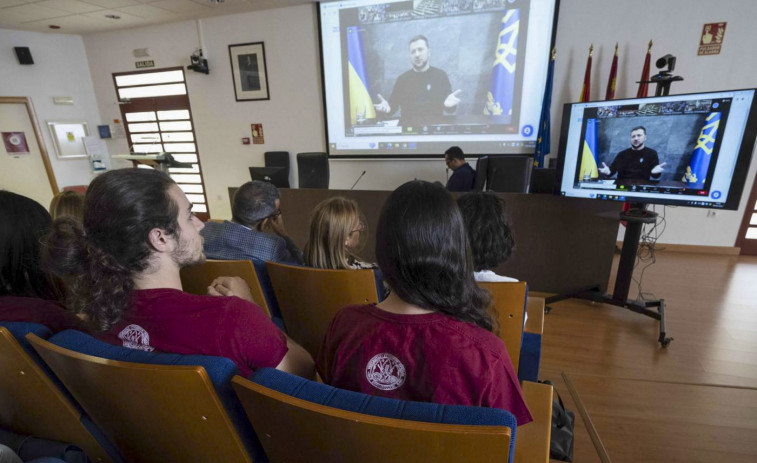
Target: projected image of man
x,y
637,162
424,92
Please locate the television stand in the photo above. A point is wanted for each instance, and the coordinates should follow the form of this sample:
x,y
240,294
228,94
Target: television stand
x,y
635,219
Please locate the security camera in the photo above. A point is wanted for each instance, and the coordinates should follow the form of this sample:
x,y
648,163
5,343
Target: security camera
x,y
199,64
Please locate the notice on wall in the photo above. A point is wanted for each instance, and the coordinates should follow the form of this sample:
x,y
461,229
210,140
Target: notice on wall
x,y
712,39
257,134
15,143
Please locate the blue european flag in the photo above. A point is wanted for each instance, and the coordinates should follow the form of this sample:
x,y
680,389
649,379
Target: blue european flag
x,y
542,138
499,99
361,105
696,172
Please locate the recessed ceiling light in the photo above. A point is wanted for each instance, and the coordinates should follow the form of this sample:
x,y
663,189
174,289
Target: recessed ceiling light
x,y
112,16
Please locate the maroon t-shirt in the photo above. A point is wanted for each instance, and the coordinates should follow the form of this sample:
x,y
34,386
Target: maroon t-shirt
x,y
33,310
427,358
170,320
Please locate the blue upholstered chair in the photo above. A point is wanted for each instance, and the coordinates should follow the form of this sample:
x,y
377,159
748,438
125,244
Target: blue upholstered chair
x,y
155,406
302,420
33,402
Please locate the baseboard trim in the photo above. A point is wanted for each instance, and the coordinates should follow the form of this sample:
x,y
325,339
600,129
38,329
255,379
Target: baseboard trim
x,y
695,248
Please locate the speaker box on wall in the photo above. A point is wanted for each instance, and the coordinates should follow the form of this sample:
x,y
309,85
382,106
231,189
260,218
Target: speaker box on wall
x,y
24,55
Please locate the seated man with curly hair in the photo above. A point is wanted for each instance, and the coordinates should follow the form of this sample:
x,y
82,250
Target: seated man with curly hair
x,y
489,233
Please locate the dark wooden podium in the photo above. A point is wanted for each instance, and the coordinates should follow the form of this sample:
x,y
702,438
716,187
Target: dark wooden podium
x,y
560,243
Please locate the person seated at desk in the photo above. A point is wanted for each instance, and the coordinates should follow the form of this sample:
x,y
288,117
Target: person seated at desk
x,y
122,265
337,232
489,233
431,339
27,294
256,230
463,175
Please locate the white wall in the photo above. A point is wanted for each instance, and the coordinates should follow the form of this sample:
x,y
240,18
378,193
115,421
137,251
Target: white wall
x,y
293,118
60,69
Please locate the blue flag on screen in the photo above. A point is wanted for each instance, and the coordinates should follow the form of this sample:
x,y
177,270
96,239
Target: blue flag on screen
x,y
589,152
696,172
361,105
499,100
542,138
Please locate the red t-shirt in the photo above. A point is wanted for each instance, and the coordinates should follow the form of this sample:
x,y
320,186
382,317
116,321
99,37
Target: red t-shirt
x,y
170,320
33,310
428,358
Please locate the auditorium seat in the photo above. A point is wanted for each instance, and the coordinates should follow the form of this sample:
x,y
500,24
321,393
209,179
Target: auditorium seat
x,y
33,403
302,420
197,278
309,298
155,407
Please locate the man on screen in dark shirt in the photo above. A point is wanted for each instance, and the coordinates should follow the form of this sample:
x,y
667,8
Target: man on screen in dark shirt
x,y
463,176
637,162
424,92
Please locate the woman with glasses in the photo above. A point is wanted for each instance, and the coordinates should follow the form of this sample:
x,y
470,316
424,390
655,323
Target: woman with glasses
x,y
431,339
337,233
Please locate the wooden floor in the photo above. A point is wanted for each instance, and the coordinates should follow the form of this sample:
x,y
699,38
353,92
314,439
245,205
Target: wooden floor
x,y
695,401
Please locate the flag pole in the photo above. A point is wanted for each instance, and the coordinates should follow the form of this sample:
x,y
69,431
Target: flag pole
x,y
586,89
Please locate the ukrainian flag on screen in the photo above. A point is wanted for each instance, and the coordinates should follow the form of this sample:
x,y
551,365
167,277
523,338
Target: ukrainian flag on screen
x,y
589,154
361,105
696,172
499,100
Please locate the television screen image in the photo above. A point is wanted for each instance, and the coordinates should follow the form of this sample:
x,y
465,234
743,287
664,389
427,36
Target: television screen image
x,y
413,77
691,150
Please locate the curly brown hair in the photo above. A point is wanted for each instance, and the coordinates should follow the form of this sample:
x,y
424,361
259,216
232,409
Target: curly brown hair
x,y
99,260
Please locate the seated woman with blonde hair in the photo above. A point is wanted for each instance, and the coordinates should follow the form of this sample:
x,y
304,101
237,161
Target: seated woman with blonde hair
x,y
337,233
67,203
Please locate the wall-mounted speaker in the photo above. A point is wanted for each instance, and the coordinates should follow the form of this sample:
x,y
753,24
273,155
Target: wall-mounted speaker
x,y
24,55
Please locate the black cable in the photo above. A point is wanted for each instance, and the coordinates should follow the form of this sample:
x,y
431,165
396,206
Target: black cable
x,y
647,249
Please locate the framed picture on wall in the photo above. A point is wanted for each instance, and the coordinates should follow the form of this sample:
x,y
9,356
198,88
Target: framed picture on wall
x,y
68,138
249,71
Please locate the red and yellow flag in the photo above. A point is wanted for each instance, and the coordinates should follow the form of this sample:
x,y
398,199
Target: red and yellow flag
x,y
643,85
610,92
587,78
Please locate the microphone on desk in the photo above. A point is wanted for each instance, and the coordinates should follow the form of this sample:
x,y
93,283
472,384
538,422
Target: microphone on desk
x,y
358,179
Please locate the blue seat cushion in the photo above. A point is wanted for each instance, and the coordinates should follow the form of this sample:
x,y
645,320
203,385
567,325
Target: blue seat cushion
x,y
380,406
219,369
530,357
19,330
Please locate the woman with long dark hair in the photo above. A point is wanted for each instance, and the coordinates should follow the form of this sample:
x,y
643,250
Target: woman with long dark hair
x,y
27,294
431,340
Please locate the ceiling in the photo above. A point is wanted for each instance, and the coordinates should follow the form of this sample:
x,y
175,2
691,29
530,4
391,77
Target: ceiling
x,y
89,16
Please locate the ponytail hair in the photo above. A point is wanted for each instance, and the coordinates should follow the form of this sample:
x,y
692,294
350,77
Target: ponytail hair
x,y
99,260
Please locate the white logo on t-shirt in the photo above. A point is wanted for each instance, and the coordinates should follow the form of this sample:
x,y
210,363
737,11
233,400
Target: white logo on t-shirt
x,y
136,337
385,372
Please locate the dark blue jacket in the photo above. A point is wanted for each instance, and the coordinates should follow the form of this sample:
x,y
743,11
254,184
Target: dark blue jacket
x,y
463,179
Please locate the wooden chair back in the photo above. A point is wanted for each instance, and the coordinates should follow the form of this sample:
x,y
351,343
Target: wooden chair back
x,y
30,403
152,413
297,430
532,442
309,298
197,278
509,300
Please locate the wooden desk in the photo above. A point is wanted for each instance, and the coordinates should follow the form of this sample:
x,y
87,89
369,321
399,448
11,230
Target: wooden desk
x,y
561,244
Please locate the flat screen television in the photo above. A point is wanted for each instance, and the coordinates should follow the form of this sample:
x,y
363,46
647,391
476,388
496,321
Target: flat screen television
x,y
410,78
686,150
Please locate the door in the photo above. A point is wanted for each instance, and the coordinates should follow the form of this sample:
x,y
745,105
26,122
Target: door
x,y
24,166
158,119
